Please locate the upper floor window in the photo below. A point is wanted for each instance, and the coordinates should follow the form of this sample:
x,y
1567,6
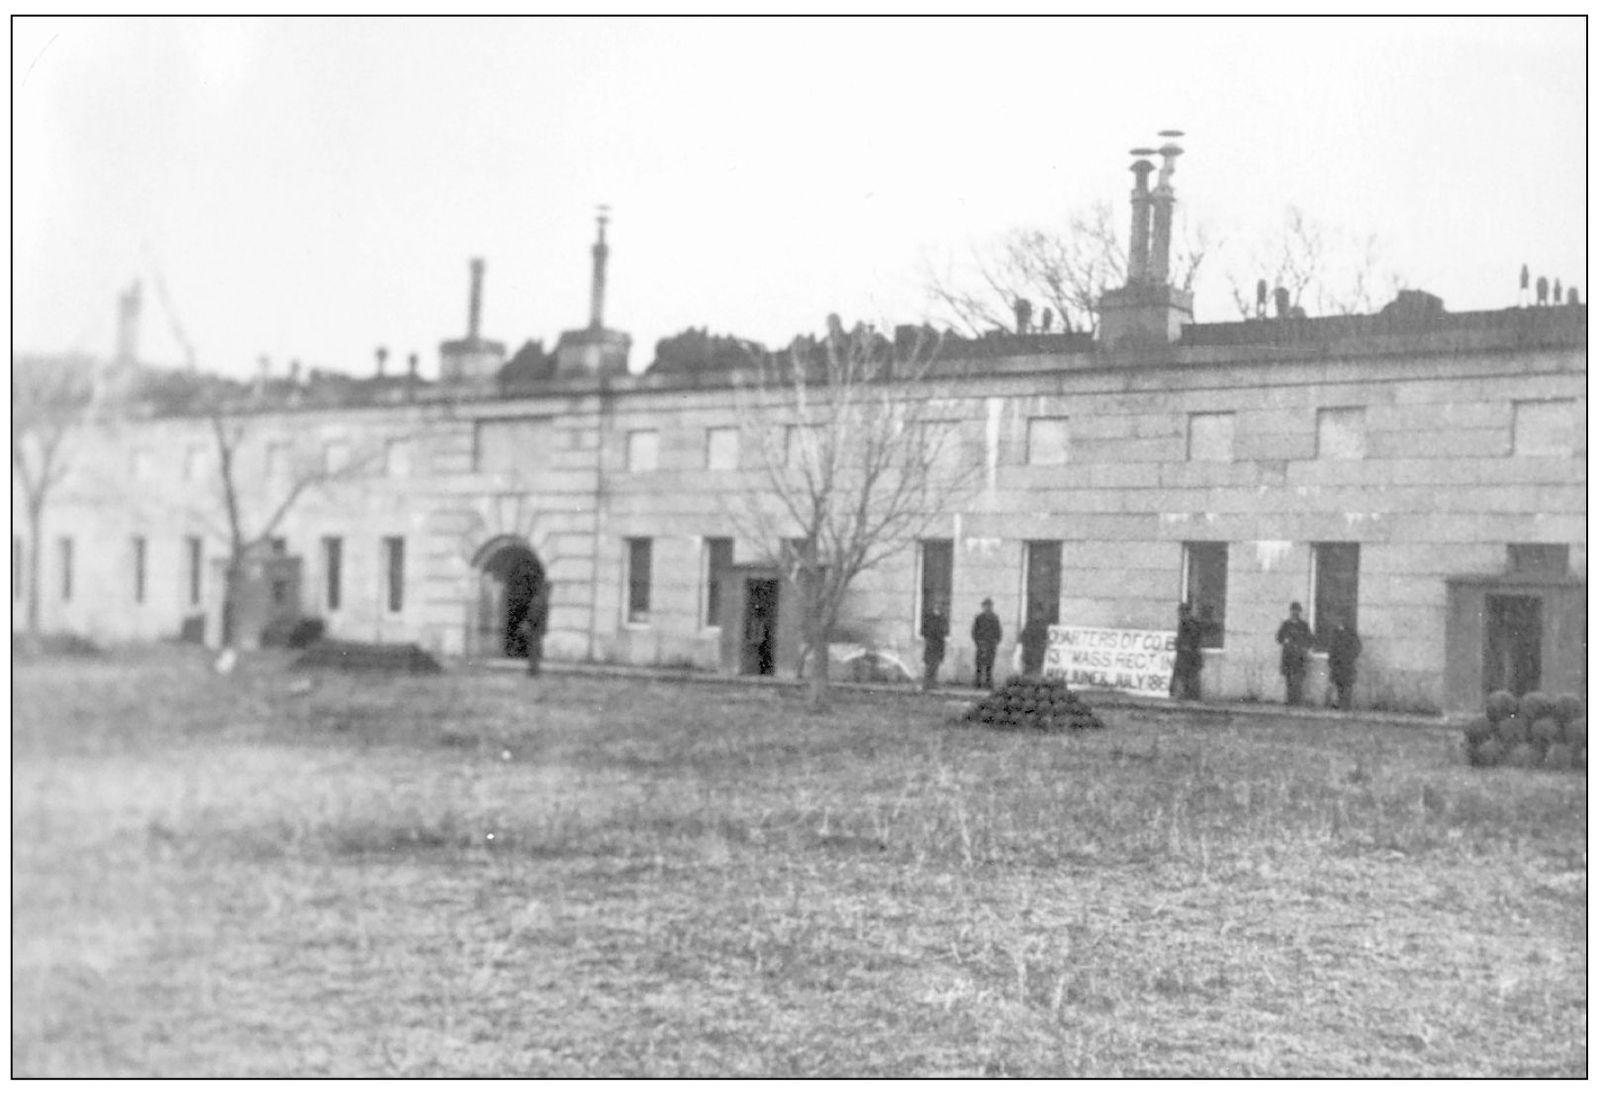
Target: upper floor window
x,y
640,452
1211,436
723,449
1545,427
510,444
1551,559
1340,433
1047,441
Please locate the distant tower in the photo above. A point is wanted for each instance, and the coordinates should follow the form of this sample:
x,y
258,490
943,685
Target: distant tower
x,y
595,350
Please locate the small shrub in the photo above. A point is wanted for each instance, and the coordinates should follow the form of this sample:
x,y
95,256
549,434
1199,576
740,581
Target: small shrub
x,y
1477,730
1489,753
1575,732
1567,708
1523,754
1512,730
1535,705
1545,731
1500,705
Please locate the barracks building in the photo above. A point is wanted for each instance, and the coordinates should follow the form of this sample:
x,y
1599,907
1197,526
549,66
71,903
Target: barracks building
x,y
1416,473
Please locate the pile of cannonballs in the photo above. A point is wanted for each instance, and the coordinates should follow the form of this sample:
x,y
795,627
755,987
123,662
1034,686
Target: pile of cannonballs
x,y
1044,704
1535,730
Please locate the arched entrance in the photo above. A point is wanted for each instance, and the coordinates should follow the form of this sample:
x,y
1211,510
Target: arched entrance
x,y
510,575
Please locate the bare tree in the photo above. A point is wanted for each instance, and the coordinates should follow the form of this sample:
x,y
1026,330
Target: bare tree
x,y
856,461
250,518
49,399
1324,269
1065,270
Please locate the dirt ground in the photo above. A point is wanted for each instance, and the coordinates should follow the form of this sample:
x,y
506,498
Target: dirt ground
x,y
271,875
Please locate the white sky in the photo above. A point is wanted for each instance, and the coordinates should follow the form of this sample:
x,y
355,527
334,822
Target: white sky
x,y
310,189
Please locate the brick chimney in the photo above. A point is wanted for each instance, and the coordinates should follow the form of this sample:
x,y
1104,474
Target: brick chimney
x,y
1140,219
598,270
475,294
1147,310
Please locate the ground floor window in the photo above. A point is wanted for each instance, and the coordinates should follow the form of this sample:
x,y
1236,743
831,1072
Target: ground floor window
x,y
395,569
333,550
1335,582
1205,575
720,555
934,577
139,548
639,580
1043,579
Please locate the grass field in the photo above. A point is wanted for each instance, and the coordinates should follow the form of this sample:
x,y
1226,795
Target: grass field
x,y
486,875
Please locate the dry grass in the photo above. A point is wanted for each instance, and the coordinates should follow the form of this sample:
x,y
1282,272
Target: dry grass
x,y
484,875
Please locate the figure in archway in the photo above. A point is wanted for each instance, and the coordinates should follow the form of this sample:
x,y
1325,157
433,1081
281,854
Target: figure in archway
x,y
510,580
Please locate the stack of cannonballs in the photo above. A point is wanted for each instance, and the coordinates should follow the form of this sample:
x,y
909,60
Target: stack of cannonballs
x,y
1034,702
1534,730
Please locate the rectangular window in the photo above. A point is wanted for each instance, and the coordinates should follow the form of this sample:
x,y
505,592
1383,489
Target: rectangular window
x,y
1211,437
139,547
1545,427
397,458
1205,583
333,550
723,449
1046,441
501,445
934,577
193,549
336,457
1550,559
1043,579
394,570
1335,589
640,452
1340,433
64,552
720,555
639,580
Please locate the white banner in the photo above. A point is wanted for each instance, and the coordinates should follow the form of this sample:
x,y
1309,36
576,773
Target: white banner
x,y
1140,662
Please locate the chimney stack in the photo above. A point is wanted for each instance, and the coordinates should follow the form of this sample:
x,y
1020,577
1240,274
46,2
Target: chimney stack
x,y
1163,211
1574,297
128,325
475,293
1541,291
598,275
1282,302
1140,218
381,355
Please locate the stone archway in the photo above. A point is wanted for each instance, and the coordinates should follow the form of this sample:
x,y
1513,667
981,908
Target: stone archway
x,y
510,576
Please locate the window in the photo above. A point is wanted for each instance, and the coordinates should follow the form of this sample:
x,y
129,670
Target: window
x,y
1545,427
1043,579
64,552
336,457
1340,433
195,462
333,549
1211,437
723,449
1335,589
639,580
934,578
193,549
397,458
139,547
1551,559
511,444
1205,582
395,570
1047,441
641,450
720,554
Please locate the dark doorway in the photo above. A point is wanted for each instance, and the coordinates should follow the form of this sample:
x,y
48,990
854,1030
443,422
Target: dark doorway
x,y
762,618
508,582
1513,658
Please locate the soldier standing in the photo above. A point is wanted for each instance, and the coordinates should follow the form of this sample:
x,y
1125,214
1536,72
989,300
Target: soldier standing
x,y
987,635
1344,649
1187,681
1295,640
1033,638
533,627
935,630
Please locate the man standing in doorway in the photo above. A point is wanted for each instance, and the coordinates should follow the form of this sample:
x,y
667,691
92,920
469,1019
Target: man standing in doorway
x,y
1033,639
987,635
1295,641
935,630
1187,680
534,626
1344,649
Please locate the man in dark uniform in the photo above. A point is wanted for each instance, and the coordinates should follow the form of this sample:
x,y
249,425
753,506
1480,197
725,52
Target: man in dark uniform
x,y
1344,649
1033,638
935,630
1295,640
533,627
1187,681
987,635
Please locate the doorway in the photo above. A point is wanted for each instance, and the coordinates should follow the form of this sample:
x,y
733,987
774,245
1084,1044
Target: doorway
x,y
509,579
760,625
1513,653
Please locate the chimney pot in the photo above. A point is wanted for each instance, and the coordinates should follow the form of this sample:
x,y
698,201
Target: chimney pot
x,y
381,355
475,295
